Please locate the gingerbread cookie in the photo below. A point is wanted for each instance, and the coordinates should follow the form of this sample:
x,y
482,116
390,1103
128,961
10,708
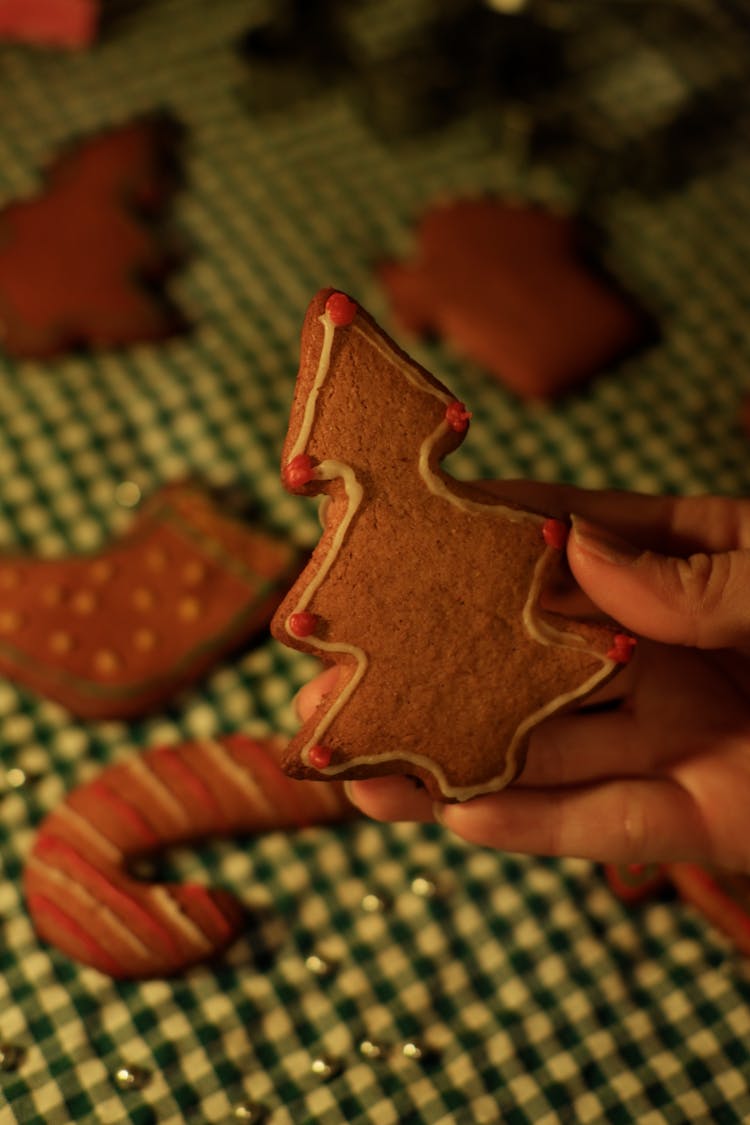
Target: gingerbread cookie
x,y
513,288
54,23
80,892
84,263
115,633
423,590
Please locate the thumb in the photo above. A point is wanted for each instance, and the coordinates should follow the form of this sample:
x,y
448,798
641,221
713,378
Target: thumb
x,y
702,600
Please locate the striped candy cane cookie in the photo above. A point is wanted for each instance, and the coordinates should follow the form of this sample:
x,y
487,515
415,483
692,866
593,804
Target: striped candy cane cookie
x,y
80,891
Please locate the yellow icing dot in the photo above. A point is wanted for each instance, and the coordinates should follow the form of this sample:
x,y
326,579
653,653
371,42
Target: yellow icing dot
x,y
142,598
50,595
193,573
102,570
144,640
9,578
10,621
106,662
84,602
189,609
61,643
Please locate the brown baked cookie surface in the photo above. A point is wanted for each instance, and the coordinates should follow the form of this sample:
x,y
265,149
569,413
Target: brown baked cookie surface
x,y
423,590
514,289
113,634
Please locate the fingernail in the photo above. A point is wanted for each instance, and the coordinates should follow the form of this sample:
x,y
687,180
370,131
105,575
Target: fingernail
x,y
348,792
438,811
602,543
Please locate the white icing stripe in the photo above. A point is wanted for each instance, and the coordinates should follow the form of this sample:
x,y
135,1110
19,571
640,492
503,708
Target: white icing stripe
x,y
164,902
238,776
86,829
156,787
538,627
320,378
465,792
329,470
93,908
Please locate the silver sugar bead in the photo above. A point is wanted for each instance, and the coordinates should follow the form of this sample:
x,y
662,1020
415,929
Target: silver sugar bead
x,y
11,1056
372,1049
325,1067
374,904
414,1050
251,1112
131,1077
424,886
319,966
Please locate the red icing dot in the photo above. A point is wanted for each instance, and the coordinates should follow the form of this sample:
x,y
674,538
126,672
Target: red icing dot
x,y
319,757
555,534
622,648
299,472
457,416
303,624
341,309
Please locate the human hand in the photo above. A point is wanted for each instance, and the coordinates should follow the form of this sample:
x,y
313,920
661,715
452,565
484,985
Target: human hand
x,y
665,774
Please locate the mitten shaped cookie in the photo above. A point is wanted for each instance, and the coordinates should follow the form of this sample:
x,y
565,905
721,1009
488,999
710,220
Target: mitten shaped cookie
x,y
113,634
81,893
84,262
424,591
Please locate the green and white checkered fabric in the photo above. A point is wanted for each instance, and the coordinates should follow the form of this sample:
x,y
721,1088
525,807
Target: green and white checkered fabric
x,y
536,995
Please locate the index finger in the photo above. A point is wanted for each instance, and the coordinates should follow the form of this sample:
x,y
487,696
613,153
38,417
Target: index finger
x,y
677,525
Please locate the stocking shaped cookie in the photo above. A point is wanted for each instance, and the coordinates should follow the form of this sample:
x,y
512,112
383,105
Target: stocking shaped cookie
x,y
423,590
113,634
83,263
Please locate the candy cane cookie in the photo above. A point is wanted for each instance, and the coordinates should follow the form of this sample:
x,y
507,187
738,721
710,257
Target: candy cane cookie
x,y
80,891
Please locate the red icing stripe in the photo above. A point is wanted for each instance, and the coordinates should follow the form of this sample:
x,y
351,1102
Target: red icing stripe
x,y
699,887
297,802
39,905
189,780
125,811
53,850
203,897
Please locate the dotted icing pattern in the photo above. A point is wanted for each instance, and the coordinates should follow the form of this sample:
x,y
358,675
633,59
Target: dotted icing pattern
x,y
113,634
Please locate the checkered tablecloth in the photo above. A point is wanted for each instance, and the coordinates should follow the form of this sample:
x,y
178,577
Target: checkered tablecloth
x,y
533,995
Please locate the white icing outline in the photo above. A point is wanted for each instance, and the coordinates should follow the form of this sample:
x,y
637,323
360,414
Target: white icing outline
x,y
541,630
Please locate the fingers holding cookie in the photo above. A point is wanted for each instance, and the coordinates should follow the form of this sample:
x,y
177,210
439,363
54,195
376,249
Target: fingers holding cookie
x,y
392,799
627,821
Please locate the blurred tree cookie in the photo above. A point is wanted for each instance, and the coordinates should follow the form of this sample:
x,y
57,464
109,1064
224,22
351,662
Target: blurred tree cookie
x,y
84,263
